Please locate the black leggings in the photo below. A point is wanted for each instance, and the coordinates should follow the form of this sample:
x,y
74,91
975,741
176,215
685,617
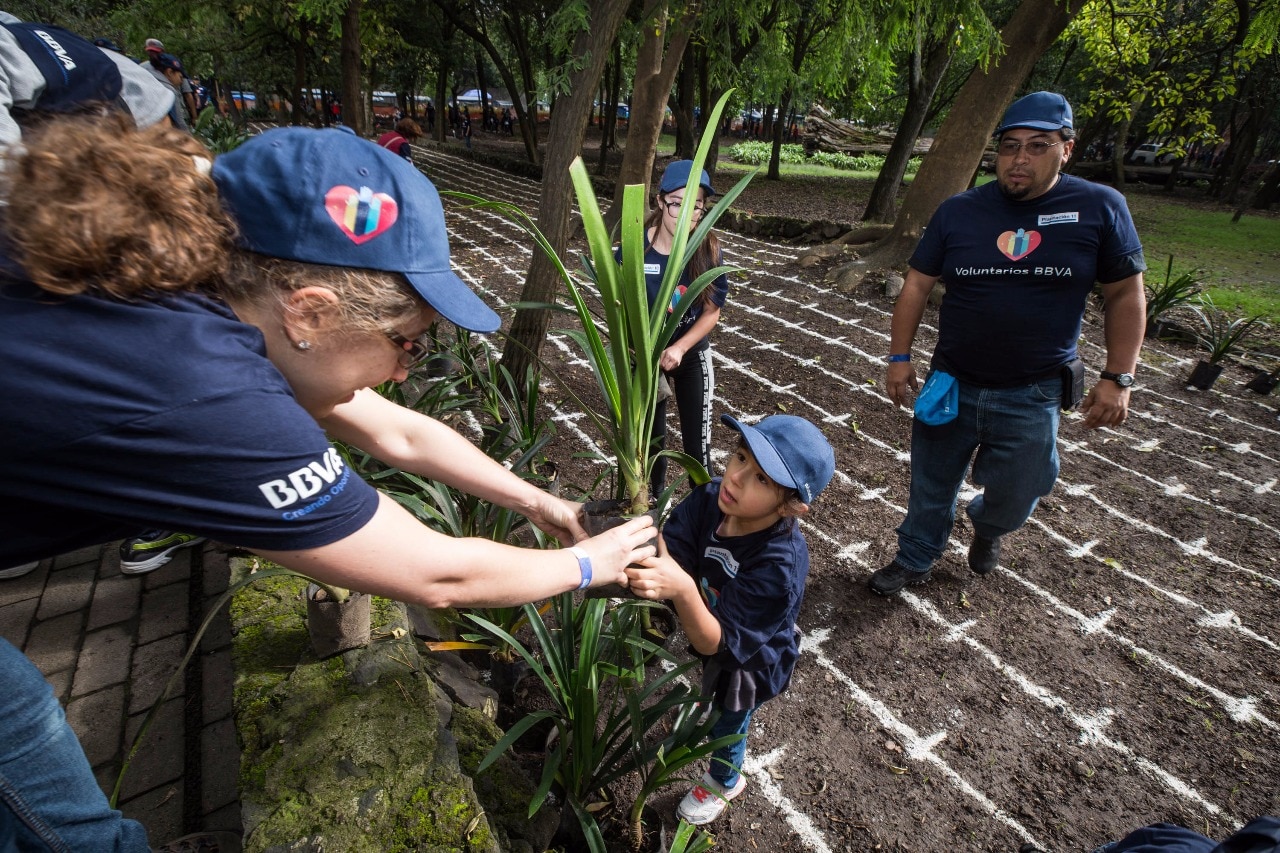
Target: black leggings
x,y
692,384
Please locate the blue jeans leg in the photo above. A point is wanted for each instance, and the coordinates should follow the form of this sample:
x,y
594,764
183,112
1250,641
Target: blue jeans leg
x,y
1017,461
1014,431
726,762
49,798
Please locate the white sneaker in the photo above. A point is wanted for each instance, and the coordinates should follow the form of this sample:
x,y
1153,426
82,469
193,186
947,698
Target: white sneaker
x,y
19,571
707,799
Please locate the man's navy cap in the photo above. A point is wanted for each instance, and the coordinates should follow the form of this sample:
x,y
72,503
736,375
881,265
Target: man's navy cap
x,y
1037,111
169,62
107,44
792,451
329,197
677,175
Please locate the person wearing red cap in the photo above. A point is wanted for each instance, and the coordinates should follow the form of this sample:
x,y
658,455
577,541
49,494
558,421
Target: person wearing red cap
x,y
1019,257
186,362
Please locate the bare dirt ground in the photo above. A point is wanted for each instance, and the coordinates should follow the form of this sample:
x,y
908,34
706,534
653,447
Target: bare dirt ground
x,y
1121,667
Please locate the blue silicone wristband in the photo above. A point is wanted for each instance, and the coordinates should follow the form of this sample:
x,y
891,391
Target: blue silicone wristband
x,y
584,565
902,357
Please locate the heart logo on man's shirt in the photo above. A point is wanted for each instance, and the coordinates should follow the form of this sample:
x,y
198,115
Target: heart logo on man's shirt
x,y
1016,245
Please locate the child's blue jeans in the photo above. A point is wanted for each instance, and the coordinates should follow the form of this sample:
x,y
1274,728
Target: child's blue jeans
x,y
726,762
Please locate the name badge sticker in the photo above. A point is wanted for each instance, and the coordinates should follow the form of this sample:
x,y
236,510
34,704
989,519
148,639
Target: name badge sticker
x,y
652,269
1057,218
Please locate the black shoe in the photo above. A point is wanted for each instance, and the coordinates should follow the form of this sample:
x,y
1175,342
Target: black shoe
x,y
984,554
894,577
153,549
204,842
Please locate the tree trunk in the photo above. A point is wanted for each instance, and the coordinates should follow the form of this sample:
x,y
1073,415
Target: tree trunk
x,y
682,109
352,113
299,77
926,74
974,115
656,64
564,142
527,129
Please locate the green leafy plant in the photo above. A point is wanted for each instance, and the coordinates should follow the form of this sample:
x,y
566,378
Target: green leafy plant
x,y
1220,334
218,133
607,714
624,355
689,839
1169,294
479,389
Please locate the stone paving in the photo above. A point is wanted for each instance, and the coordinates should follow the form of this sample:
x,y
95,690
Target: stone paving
x,y
108,643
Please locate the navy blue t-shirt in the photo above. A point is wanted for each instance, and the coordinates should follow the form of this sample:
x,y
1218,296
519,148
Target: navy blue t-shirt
x,y
655,265
1017,275
753,585
122,416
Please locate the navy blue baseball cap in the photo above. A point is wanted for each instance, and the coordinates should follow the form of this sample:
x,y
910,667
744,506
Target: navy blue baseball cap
x,y
330,197
1037,111
676,177
793,452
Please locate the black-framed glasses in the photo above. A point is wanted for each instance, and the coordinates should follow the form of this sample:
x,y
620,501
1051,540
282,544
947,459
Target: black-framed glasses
x,y
673,207
413,351
1035,148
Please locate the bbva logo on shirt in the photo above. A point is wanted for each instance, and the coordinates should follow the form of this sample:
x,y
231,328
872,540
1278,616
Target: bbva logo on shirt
x,y
305,482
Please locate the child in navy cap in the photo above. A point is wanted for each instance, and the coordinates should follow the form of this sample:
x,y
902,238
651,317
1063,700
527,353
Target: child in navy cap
x,y
733,562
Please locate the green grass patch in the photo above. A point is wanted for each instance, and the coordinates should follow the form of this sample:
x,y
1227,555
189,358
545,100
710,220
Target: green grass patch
x,y
1239,262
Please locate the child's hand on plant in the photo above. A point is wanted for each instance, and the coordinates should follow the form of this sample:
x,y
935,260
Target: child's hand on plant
x,y
660,577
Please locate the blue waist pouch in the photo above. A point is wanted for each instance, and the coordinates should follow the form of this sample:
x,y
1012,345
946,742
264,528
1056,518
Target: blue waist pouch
x,y
939,400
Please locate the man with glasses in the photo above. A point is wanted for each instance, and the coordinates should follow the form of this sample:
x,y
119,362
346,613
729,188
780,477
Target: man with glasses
x,y
1019,257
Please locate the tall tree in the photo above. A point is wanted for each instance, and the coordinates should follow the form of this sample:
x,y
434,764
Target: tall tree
x,y
662,47
958,147
564,143
472,19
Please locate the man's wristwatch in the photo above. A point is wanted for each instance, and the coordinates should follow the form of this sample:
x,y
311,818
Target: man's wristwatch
x,y
1124,380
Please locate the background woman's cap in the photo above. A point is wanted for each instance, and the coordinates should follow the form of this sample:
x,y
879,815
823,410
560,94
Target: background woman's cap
x,y
1037,111
792,451
677,175
330,197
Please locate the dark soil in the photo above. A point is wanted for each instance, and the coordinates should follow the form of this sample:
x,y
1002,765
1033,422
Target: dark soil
x,y
1121,667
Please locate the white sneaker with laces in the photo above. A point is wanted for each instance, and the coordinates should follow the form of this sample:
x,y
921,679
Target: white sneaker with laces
x,y
707,800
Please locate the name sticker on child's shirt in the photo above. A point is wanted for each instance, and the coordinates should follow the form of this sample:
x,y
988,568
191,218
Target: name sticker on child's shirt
x,y
652,269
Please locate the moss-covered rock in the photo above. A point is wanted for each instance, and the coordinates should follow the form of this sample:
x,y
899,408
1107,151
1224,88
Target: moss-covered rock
x,y
343,754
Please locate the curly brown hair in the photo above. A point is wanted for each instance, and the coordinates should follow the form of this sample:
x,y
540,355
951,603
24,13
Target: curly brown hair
x,y
91,204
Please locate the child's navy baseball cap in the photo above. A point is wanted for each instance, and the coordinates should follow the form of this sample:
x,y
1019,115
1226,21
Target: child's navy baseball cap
x,y
330,197
1037,111
676,176
793,452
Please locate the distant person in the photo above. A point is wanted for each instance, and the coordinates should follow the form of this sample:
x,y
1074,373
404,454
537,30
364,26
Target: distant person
x,y
733,562
165,68
1020,257
431,117
398,141
155,49
213,338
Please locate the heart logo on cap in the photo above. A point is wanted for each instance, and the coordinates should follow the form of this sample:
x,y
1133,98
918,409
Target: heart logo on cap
x,y
1016,245
360,214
